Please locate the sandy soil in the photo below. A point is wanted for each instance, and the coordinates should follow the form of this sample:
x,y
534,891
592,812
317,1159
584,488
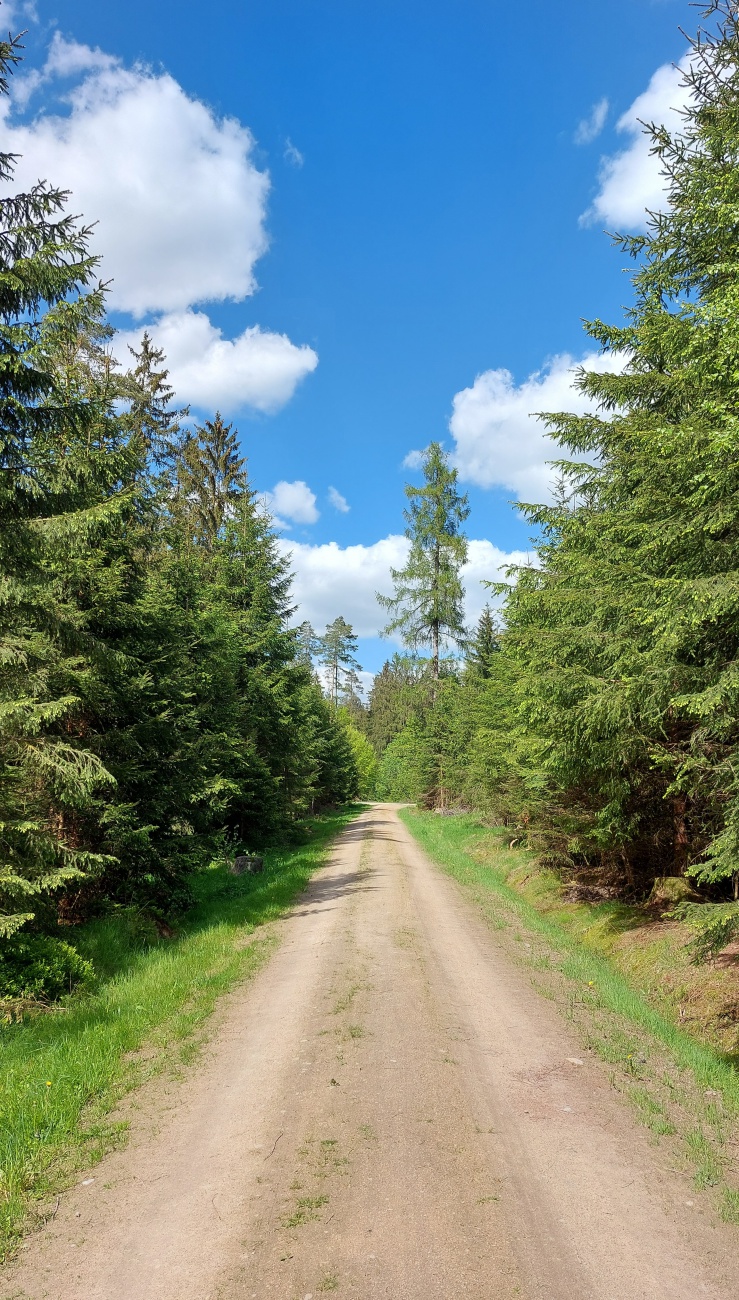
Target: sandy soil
x,y
387,1110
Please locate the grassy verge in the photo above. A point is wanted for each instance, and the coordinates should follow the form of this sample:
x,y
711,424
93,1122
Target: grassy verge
x,y
683,1091
62,1073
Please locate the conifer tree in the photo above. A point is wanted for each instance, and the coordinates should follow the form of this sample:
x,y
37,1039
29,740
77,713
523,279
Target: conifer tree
x,y
337,655
625,636
210,477
46,504
307,643
484,645
427,607
151,413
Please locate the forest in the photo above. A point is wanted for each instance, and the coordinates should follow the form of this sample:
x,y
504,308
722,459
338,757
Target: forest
x,y
157,707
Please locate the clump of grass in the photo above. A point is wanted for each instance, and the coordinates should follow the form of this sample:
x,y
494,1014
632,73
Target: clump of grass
x,y
345,1001
62,1072
305,1211
329,1283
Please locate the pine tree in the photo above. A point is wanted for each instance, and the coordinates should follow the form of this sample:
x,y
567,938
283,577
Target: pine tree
x,y
337,655
427,607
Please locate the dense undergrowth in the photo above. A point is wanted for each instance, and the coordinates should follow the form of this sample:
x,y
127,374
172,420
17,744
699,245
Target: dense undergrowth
x,y
62,1071
613,992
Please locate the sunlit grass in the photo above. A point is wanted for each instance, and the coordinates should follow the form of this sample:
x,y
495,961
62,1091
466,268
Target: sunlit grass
x,y
61,1073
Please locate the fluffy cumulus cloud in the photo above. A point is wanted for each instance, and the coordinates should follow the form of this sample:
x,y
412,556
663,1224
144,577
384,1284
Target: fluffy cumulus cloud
x,y
487,563
293,502
180,210
331,579
17,13
179,201
499,442
258,369
591,126
630,180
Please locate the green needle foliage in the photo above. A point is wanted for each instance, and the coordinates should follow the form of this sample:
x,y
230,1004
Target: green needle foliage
x,y
55,462
626,637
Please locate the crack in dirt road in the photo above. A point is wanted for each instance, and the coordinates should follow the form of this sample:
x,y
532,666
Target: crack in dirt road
x,y
387,1110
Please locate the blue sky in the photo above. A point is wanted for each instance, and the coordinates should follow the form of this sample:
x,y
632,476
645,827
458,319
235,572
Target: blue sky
x,y
404,224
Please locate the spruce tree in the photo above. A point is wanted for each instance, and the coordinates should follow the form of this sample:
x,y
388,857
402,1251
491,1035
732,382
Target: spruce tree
x,y
484,645
625,638
210,477
427,607
151,413
48,503
307,643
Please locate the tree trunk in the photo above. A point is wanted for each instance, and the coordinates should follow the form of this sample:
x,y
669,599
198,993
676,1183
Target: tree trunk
x,y
681,840
435,623
435,649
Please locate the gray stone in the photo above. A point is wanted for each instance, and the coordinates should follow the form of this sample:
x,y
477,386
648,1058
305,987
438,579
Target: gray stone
x,y
247,864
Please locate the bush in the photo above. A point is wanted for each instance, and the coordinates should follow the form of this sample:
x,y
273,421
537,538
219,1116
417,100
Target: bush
x,y
39,967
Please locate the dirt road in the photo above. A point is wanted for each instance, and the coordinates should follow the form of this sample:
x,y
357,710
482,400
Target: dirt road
x,y
388,1110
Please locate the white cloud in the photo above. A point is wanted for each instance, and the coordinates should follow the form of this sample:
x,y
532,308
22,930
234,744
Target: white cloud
x,y
332,580
630,181
413,460
69,59
499,441
338,501
486,563
258,369
293,501
179,200
292,154
15,13
591,126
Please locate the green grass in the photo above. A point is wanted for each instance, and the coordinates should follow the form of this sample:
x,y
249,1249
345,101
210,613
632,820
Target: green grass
x,y
683,1087
62,1073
